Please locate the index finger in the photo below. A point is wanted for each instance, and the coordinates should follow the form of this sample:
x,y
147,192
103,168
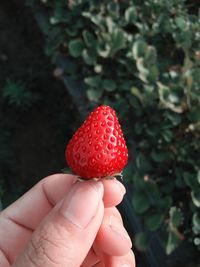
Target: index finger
x,y
34,205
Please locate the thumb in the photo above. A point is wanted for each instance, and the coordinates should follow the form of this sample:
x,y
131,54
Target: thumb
x,y
66,235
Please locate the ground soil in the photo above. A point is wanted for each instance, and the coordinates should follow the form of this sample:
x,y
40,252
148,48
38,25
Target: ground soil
x,y
36,137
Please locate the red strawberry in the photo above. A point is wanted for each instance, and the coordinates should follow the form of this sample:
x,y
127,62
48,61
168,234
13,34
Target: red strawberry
x,y
98,149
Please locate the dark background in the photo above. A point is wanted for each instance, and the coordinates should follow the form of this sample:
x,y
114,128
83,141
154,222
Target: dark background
x,y
32,140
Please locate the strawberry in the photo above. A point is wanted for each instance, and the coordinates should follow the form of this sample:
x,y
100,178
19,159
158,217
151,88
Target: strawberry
x,y
98,149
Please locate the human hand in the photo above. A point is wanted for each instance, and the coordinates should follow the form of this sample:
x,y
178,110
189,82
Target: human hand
x,y
63,222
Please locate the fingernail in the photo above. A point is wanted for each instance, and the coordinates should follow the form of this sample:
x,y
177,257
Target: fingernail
x,y
121,186
118,229
81,204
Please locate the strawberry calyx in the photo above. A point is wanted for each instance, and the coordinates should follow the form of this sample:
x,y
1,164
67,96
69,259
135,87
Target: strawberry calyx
x,y
118,176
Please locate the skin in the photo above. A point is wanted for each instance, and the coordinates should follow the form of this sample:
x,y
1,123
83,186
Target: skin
x,y
36,230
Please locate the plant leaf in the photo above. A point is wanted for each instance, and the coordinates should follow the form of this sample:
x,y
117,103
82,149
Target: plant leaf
x,y
117,40
196,198
196,222
89,56
88,38
172,243
198,176
130,14
140,202
76,47
158,156
94,94
153,221
139,49
190,180
176,217
93,81
180,22
142,241
109,85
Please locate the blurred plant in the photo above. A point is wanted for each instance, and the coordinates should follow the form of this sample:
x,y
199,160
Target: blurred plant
x,y
17,94
142,58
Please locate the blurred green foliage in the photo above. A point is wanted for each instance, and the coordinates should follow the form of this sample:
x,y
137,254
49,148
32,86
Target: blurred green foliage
x,y
143,59
16,93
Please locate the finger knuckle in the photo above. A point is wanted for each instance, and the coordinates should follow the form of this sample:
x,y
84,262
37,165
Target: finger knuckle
x,y
47,249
